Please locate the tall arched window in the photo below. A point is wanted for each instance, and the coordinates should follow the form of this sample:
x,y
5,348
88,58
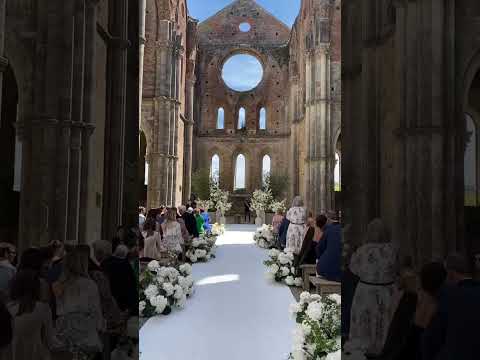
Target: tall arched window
x,y
336,173
215,168
470,163
242,121
221,118
266,168
146,173
240,168
262,121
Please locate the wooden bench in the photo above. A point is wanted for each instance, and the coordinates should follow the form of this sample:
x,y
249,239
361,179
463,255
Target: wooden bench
x,y
325,287
307,271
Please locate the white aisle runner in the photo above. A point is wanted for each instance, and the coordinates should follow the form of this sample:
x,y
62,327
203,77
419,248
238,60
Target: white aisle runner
x,y
235,313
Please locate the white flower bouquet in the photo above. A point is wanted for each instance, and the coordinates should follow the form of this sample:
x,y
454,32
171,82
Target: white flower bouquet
x,y
264,237
280,268
261,200
163,288
279,206
201,249
317,335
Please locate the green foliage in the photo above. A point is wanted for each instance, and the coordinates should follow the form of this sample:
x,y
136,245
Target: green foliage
x,y
201,183
278,184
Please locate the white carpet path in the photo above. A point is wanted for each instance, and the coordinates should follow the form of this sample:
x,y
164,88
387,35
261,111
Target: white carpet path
x,y
235,313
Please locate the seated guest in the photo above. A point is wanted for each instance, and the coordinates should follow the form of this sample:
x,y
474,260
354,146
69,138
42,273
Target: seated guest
x,y
307,254
453,330
329,250
375,264
190,222
207,227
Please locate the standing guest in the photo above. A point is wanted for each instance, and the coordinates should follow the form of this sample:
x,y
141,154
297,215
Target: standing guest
x,y
329,249
152,242
282,233
375,264
206,220
80,318
37,259
183,227
32,318
453,331
11,253
56,267
120,275
248,213
7,272
277,221
141,217
297,217
200,221
161,214
172,233
190,222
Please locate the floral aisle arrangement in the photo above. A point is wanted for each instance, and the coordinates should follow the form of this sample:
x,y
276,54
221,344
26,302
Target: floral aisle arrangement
x,y
219,200
279,206
280,268
317,334
163,288
201,249
264,237
261,200
218,229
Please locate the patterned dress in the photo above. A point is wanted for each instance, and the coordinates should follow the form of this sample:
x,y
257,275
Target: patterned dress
x,y
296,229
172,237
373,305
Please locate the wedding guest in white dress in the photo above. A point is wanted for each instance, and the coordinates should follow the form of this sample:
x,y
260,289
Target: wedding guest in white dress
x,y
376,265
172,233
153,241
297,217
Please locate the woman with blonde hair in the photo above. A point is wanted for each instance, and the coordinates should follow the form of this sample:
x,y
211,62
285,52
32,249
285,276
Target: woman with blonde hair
x,y
376,264
297,217
172,232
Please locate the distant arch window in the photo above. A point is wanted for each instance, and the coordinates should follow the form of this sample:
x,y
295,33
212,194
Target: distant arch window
x,y
146,173
215,168
242,119
221,118
240,168
470,163
336,173
262,121
245,27
266,168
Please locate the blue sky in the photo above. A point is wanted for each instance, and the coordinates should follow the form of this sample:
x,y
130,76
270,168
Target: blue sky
x,y
284,10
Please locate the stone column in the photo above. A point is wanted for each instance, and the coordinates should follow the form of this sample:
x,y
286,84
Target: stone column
x,y
88,112
3,60
188,148
115,144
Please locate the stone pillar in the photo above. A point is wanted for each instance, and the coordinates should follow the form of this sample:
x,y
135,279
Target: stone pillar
x,y
3,60
88,112
115,131
188,148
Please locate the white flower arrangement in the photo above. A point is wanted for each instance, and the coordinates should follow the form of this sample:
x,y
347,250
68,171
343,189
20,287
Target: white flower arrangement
x,y
163,288
201,249
317,333
261,200
263,237
280,268
219,198
279,206
218,229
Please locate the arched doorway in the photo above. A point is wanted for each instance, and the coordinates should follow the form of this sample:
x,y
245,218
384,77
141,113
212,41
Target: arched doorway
x,y
10,158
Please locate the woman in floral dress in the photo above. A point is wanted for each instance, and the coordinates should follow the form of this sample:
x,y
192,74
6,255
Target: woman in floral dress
x,y
375,263
296,215
172,233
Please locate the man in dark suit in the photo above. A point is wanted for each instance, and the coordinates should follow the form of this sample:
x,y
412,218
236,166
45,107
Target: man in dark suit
x,y
453,331
329,249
